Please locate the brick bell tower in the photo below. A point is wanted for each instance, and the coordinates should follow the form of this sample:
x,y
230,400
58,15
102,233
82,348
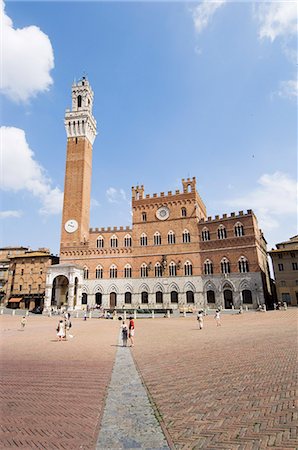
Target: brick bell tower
x,y
80,127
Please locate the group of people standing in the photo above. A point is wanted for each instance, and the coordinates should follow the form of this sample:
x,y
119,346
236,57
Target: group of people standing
x,y
63,326
128,332
200,318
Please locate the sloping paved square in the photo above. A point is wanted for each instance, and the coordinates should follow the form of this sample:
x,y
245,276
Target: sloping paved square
x,y
53,393
228,387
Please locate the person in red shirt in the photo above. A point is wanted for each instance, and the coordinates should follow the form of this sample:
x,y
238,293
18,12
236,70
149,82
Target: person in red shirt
x,y
131,328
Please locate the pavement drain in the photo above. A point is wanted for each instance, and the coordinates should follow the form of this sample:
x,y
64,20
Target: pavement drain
x,y
128,420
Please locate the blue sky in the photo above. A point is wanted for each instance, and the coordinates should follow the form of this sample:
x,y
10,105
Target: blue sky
x,y
181,89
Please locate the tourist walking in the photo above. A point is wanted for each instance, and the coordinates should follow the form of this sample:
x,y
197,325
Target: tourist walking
x,y
61,330
200,316
131,331
23,322
124,331
217,318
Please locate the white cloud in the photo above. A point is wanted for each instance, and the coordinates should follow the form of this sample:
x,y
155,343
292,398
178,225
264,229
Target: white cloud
x,y
10,213
115,195
288,89
27,59
20,171
203,13
274,201
277,19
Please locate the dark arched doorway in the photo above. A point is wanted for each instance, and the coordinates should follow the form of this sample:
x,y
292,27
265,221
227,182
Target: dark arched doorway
x,y
60,291
228,298
247,296
113,300
98,298
84,298
144,297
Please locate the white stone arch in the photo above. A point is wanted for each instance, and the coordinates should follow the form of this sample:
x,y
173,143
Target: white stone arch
x,y
98,288
189,287
245,284
112,288
128,288
174,287
209,286
158,287
144,288
85,289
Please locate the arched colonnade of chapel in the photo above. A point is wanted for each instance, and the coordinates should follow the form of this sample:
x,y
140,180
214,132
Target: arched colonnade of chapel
x,y
67,287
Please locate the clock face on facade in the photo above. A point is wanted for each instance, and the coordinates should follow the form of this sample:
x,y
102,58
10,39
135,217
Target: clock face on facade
x,y
71,226
163,213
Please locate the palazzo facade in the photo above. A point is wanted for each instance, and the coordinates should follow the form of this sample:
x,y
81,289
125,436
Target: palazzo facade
x,y
173,256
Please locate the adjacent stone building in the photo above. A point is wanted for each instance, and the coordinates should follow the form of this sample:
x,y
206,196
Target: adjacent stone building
x,y
173,255
285,265
27,278
5,254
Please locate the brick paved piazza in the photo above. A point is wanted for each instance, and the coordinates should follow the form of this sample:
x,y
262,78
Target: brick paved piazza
x,y
228,387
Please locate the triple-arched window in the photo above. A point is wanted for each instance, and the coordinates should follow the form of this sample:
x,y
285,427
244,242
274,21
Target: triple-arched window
x,y
185,237
143,239
86,273
114,241
205,234
127,271
208,267
157,238
144,270
225,266
171,237
113,271
127,240
158,270
221,232
188,268
98,272
172,269
243,265
239,230
100,242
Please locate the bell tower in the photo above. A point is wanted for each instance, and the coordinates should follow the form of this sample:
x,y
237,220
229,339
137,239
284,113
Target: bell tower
x,y
80,127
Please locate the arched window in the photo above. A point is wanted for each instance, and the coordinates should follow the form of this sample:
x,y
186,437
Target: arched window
x,y
157,238
144,217
171,237
210,296
127,297
208,267
98,272
114,241
98,298
183,212
188,268
246,296
190,298
127,271
144,270
113,271
158,270
86,273
225,265
144,297
205,234
79,101
239,230
221,232
100,242
159,297
143,239
127,240
243,265
186,237
84,298
174,297
172,269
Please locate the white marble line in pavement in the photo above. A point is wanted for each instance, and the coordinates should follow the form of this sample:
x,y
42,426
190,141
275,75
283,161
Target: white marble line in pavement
x,y
128,420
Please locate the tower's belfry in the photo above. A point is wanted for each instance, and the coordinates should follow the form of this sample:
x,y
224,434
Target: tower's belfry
x,y
80,128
